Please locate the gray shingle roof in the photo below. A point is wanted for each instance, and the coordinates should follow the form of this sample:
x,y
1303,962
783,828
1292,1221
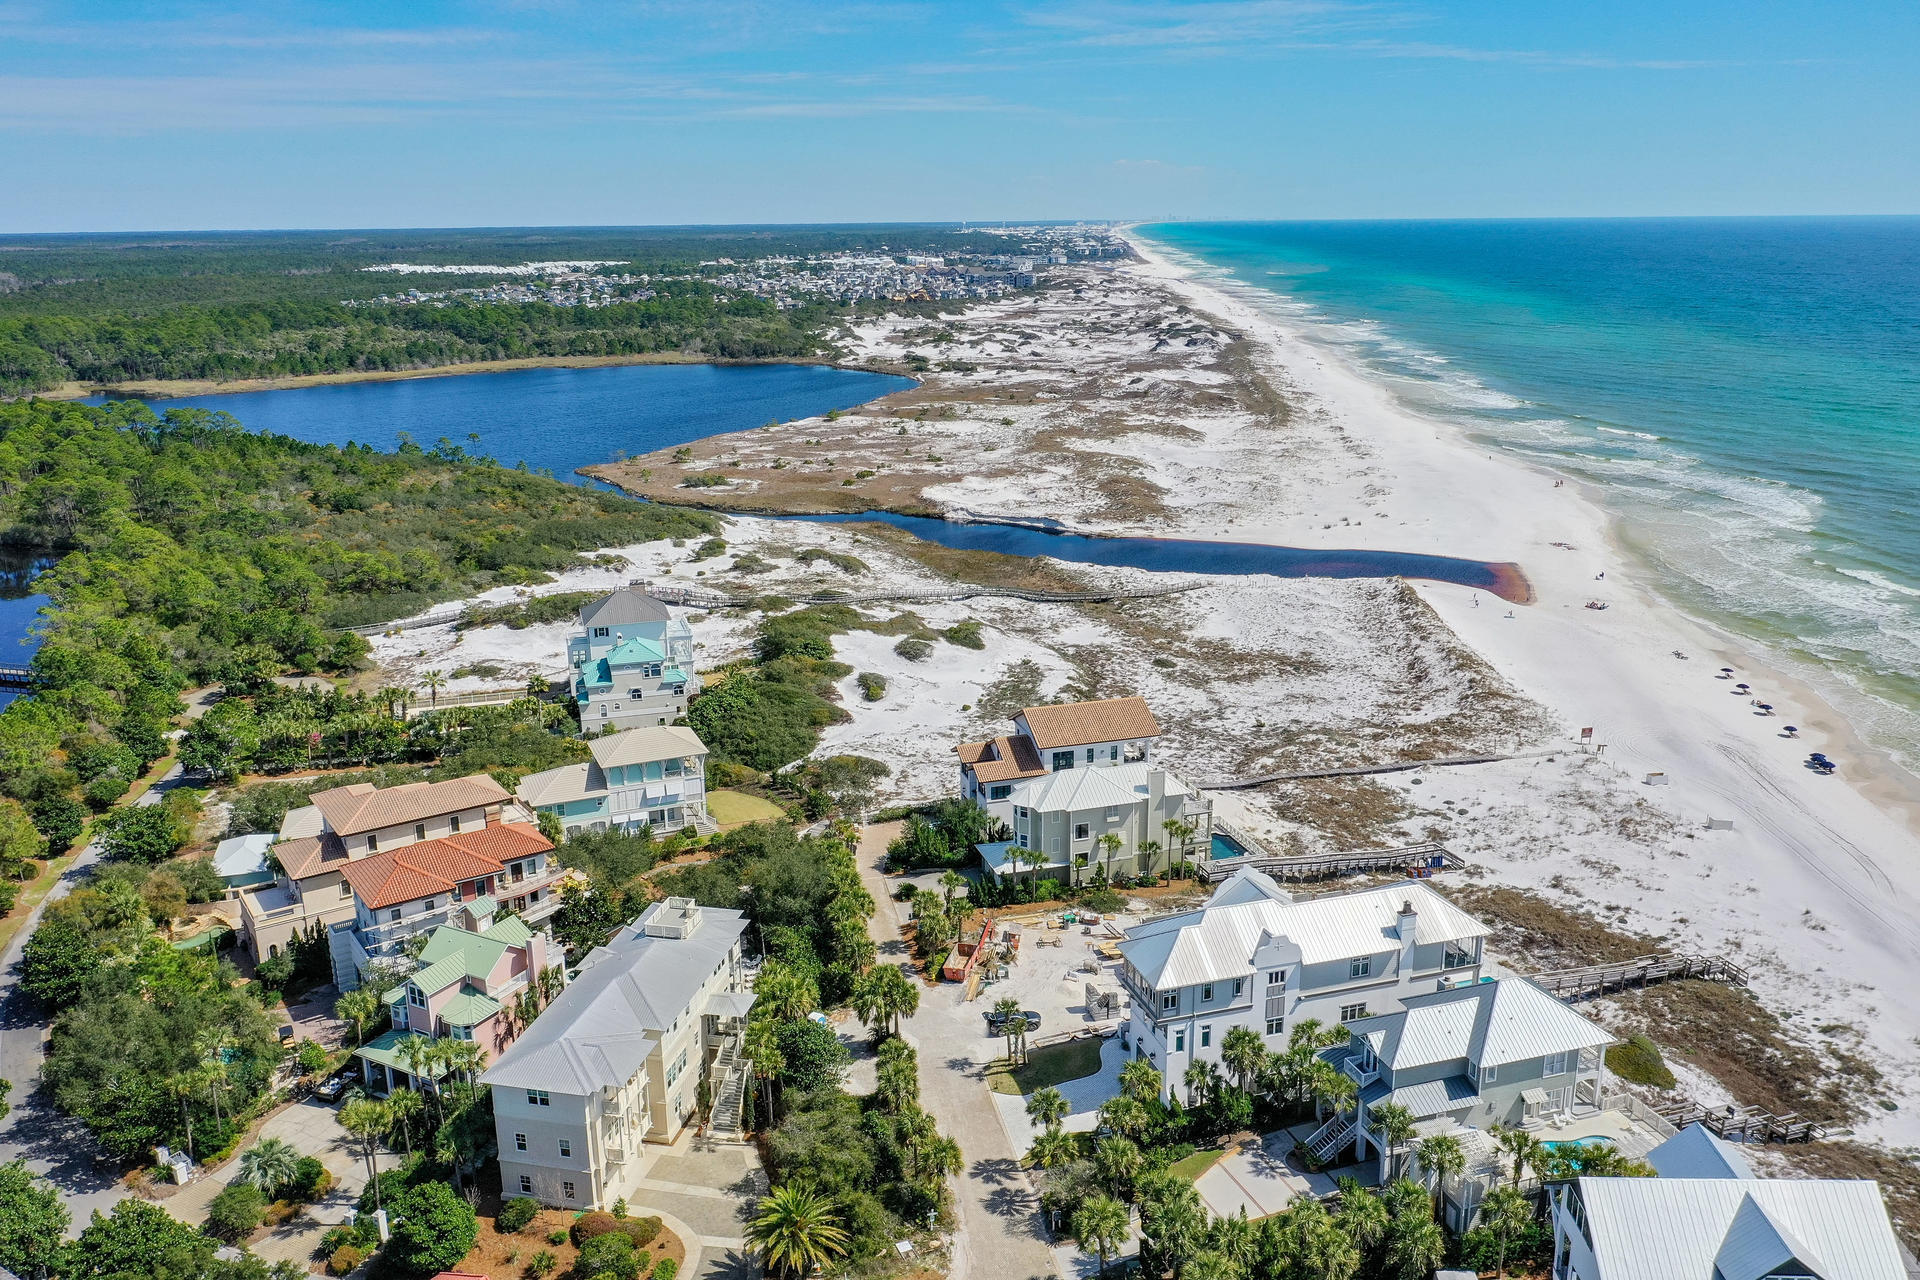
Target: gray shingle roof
x,y
623,608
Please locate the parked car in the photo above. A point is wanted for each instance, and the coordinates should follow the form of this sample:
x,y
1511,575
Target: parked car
x,y
330,1089
996,1020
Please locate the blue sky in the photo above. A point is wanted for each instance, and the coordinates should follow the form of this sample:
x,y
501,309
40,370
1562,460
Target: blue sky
x,y
118,116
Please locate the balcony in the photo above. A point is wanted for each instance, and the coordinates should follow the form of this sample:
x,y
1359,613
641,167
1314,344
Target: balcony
x,y
1362,1075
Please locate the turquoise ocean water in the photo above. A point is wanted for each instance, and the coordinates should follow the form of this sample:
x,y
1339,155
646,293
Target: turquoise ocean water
x,y
1745,390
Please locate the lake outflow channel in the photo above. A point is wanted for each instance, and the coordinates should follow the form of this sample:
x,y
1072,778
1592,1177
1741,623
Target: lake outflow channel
x,y
1189,555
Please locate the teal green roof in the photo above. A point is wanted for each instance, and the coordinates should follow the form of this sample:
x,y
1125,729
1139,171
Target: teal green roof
x,y
484,905
453,954
386,1050
469,1009
638,649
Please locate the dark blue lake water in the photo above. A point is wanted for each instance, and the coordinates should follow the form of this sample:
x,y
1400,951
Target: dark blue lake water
x,y
553,419
19,606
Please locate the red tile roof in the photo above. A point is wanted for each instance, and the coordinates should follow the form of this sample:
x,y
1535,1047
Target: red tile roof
x,y
1075,724
431,867
365,807
1001,759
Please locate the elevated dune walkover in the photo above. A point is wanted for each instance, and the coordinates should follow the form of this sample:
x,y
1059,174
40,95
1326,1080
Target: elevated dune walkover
x,y
1414,859
1588,981
15,677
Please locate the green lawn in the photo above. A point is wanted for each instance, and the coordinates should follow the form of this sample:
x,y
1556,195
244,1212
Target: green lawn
x,y
1055,1064
731,808
1193,1166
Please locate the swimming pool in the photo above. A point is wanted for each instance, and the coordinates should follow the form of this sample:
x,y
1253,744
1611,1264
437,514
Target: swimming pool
x,y
1225,846
1595,1140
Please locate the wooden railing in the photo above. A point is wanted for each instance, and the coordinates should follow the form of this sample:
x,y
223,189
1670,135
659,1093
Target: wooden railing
x,y
694,597
12,677
1425,858
1362,770
1742,1124
1592,980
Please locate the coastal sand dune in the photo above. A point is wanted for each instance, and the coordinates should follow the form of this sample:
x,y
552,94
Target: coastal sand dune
x,y
1142,400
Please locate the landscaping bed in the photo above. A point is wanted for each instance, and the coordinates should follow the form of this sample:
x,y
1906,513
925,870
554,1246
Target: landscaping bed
x,y
1054,1064
509,1257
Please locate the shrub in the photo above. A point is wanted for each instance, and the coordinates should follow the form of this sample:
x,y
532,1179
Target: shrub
x,y
435,1230
541,1263
965,634
557,1236
620,1207
1638,1062
343,1260
749,562
591,1226
711,480
235,1212
643,1231
710,548
310,1180
873,686
515,1215
607,1255
665,1269
914,649
312,1056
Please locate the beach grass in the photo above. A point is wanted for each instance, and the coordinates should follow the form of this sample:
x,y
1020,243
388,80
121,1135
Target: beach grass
x,y
1053,1065
734,808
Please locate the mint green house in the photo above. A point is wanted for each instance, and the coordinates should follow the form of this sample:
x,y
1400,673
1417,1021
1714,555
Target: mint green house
x,y
653,777
632,663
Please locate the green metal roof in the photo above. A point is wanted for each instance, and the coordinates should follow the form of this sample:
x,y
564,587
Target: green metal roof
x,y
453,954
468,1009
386,1050
635,649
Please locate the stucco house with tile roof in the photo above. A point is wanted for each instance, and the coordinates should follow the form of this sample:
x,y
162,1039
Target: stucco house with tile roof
x,y
1071,774
1707,1217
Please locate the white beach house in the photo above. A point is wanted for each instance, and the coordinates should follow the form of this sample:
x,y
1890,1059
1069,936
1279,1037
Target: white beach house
x,y
1254,957
1070,775
653,778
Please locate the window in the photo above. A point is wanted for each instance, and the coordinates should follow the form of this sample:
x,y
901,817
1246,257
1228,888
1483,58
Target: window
x,y
1080,831
1352,1012
679,1065
1273,1026
519,1142
1179,1042
601,633
373,844
416,997
636,694
419,831
1000,791
538,1098
393,916
526,1185
1277,978
566,1189
1113,752
1022,838
1206,1034
518,871
1019,811
432,903
1361,968
566,1149
1458,956
453,824
1062,760
1239,986
1170,1001
1089,755
1488,1075
1206,993
1556,1065
346,890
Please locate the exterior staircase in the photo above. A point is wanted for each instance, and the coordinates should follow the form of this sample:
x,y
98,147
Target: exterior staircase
x,y
732,1075
1330,1137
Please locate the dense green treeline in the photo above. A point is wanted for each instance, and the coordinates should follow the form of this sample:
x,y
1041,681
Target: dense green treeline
x,y
237,305
194,552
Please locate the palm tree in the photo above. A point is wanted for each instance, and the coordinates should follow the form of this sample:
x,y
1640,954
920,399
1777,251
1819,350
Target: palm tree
x,y
950,883
368,1121
183,1085
1210,1264
1140,1079
404,1105
1052,1149
418,1052
1393,1127
1047,1106
1110,844
1244,1053
1100,1227
897,1076
434,682
785,993
762,1047
1125,1116
1149,852
1317,1243
1008,1008
269,1164
797,1230
1361,1216
1441,1158
1521,1147
936,1159
362,1007
1414,1244
1505,1213
1331,1088
1117,1162
882,996
1200,1079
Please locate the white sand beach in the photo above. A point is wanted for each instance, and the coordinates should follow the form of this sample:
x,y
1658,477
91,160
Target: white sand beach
x,y
1143,400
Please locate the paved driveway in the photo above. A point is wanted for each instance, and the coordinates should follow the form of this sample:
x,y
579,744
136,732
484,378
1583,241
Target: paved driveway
x,y
314,1129
1000,1236
1255,1177
706,1191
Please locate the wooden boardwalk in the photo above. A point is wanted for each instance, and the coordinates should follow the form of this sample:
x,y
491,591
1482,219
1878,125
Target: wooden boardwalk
x,y
1358,771
1424,858
15,677
1588,981
1742,1124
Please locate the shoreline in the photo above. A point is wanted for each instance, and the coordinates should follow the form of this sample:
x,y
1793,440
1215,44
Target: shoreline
x,y
181,388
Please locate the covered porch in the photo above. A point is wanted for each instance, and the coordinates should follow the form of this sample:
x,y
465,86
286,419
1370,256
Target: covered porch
x,y
384,1064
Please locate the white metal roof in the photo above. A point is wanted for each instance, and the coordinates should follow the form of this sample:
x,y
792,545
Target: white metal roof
x,y
1738,1229
1095,787
1489,1023
639,746
242,855
1218,940
558,786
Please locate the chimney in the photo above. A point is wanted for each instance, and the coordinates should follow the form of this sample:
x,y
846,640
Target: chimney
x,y
1406,927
